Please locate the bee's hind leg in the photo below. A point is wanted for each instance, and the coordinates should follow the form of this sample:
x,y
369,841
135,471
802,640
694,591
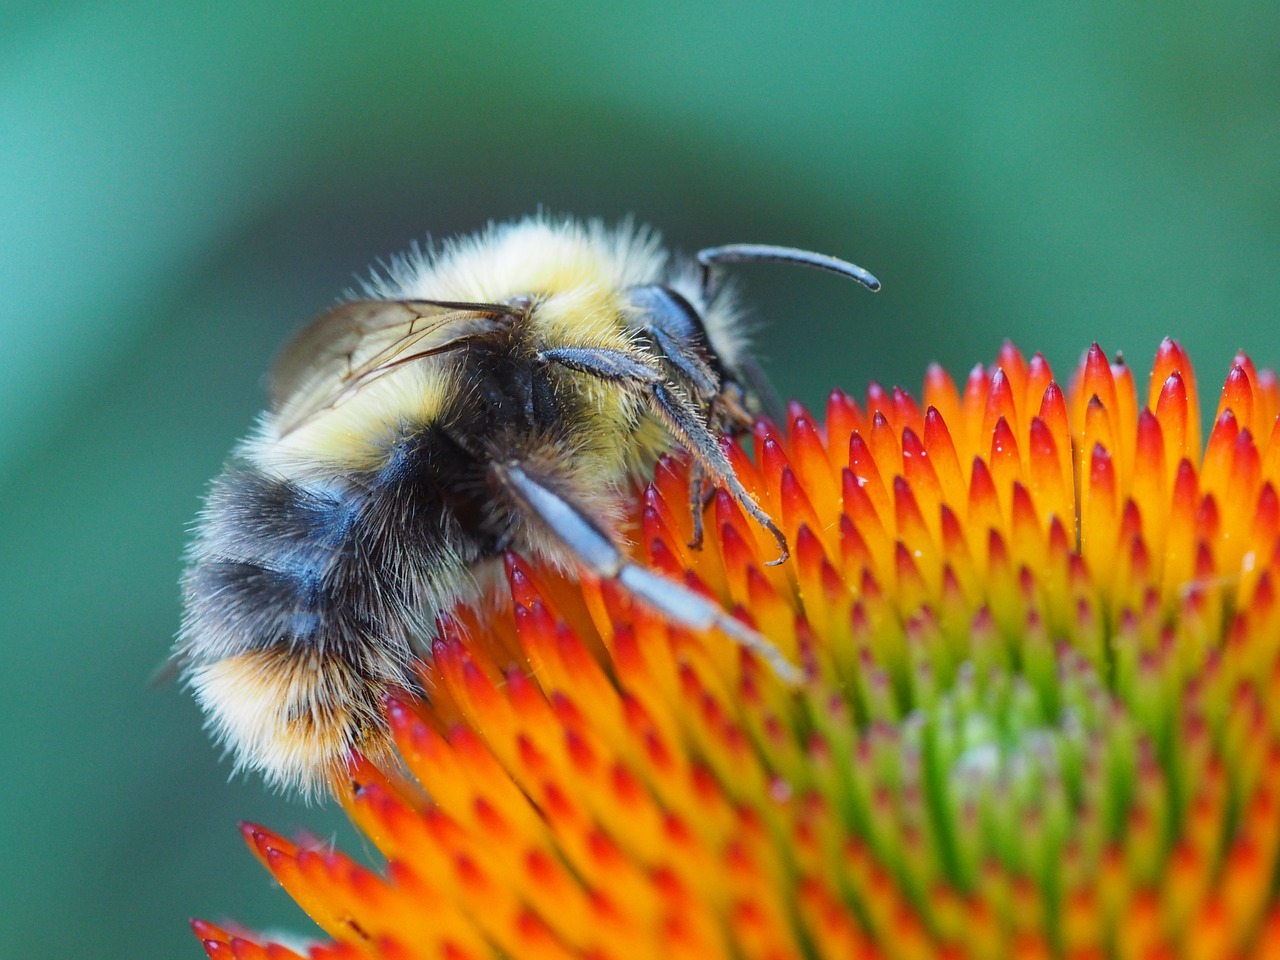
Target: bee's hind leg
x,y
699,497
596,551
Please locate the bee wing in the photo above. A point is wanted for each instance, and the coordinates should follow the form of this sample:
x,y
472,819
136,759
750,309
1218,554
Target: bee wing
x,y
357,342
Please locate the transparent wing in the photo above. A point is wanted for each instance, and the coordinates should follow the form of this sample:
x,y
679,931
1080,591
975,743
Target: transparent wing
x,y
357,342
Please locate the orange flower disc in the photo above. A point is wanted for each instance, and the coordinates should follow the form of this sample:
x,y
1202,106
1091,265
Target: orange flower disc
x,y
1041,638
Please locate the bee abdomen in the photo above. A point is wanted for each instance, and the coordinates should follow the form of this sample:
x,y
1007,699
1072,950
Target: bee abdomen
x,y
293,715
281,564
298,617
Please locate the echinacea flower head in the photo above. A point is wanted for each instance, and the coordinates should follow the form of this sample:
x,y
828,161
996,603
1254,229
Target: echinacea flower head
x,y
1040,631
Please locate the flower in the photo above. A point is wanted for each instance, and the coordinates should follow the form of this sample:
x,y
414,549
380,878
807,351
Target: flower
x,y
1040,633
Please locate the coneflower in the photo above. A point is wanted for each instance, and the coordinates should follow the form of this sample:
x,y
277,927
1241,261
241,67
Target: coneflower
x,y
1041,639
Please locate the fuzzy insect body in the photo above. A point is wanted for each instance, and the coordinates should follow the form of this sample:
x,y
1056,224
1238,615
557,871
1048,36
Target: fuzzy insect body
x,y
501,394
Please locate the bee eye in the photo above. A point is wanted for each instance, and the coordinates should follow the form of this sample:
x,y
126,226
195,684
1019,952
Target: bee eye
x,y
668,311
677,329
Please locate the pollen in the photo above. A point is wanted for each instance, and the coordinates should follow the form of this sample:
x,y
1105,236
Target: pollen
x,y
1039,627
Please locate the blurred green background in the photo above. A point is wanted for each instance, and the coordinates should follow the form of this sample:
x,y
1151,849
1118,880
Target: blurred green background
x,y
181,184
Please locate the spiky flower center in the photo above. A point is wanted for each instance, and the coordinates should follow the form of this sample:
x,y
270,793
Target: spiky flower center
x,y
1041,638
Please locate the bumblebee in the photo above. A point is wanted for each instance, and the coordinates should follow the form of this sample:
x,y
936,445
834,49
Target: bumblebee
x,y
501,393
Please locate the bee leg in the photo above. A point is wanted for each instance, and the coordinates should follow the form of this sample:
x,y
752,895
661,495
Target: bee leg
x,y
603,363
683,421
681,418
698,499
597,552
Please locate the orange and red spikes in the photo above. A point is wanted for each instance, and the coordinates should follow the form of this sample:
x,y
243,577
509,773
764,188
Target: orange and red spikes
x,y
1041,638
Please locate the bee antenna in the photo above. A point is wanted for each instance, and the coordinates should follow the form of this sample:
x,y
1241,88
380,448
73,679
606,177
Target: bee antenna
x,y
712,257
